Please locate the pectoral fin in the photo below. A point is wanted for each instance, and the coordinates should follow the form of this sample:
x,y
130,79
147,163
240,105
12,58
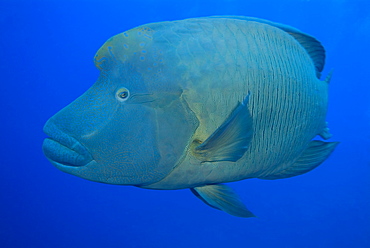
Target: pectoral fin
x,y
222,197
230,141
316,153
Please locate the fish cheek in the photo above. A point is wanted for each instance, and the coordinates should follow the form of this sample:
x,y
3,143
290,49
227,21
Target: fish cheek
x,y
125,148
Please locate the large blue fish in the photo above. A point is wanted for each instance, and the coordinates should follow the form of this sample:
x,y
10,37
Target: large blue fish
x,y
196,103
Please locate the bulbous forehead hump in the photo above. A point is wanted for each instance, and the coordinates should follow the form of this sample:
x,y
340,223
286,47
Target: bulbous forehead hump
x,y
146,52
147,43
134,46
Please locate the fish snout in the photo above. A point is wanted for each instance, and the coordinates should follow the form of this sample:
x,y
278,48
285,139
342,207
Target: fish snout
x,y
62,149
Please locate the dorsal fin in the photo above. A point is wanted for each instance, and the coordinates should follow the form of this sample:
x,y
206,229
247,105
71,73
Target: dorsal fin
x,y
313,47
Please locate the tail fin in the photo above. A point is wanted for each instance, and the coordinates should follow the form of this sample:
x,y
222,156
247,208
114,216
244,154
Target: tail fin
x,y
328,77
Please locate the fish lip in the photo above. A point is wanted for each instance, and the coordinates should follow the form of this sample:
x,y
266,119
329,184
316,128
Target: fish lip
x,y
63,150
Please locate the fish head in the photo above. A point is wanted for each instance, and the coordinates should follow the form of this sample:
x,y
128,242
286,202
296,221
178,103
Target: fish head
x,y
132,126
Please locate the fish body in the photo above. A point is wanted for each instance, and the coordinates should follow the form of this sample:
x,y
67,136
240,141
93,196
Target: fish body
x,y
196,103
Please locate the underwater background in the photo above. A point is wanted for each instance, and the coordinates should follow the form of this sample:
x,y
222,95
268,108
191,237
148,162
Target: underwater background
x,y
46,52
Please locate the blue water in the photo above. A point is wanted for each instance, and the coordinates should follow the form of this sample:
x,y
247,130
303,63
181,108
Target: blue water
x,y
46,52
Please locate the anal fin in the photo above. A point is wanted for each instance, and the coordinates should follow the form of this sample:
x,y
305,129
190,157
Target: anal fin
x,y
316,153
222,197
325,133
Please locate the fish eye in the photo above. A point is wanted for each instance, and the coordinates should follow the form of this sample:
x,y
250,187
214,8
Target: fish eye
x,y
122,94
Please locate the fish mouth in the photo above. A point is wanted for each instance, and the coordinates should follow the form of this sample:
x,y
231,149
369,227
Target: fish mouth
x,y
63,150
